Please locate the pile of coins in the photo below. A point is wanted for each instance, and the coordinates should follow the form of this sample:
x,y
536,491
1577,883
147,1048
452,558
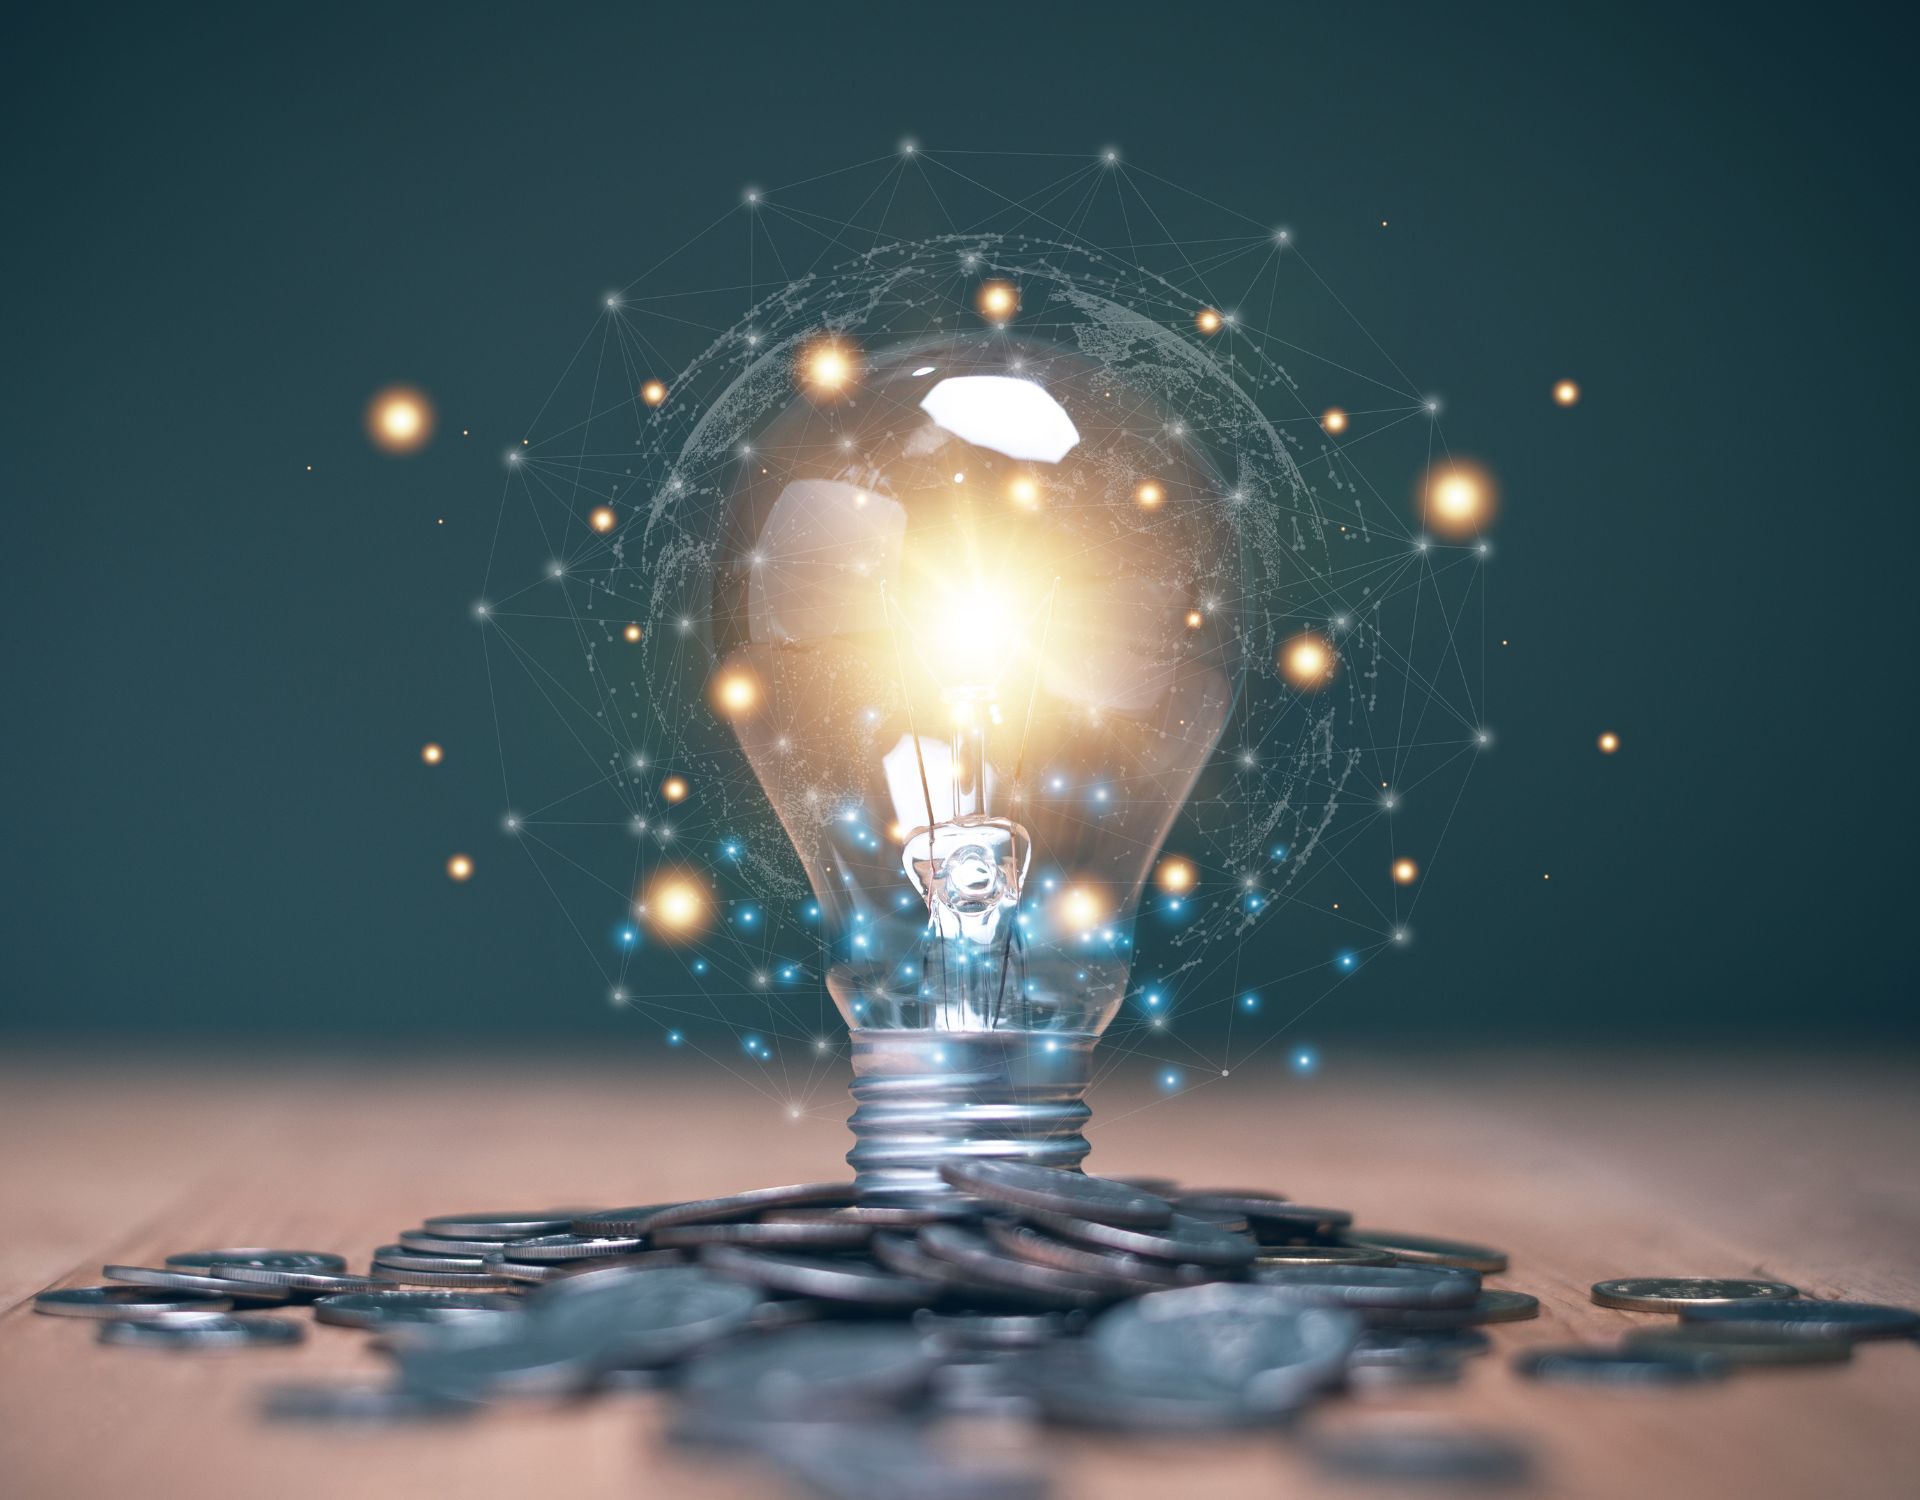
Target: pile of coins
x,y
828,1336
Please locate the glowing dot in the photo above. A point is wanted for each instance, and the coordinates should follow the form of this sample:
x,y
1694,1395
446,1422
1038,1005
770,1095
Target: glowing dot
x,y
1566,393
997,300
828,367
460,867
1195,619
1176,876
675,905
1405,872
602,518
674,789
735,692
1025,491
1334,420
1149,495
1459,499
1609,742
1081,909
1308,661
634,634
1207,320
432,754
654,392
400,419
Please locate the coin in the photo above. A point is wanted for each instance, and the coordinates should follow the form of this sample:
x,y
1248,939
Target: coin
x,y
1743,1346
300,1281
202,1332
737,1206
1373,1286
1671,1294
124,1302
771,1233
502,1224
647,1316
540,1273
1320,1255
1023,1185
616,1221
439,1244
813,1371
204,1261
1249,1203
1427,1249
400,1258
380,1309
1390,1346
982,1263
1182,1239
832,1281
190,1281
1493,1305
568,1247
1074,1389
1811,1319
372,1405
517,1362
483,1280
1044,1250
1595,1366
987,1332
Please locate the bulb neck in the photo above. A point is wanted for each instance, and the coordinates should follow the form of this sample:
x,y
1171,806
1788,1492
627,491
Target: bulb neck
x,y
923,1098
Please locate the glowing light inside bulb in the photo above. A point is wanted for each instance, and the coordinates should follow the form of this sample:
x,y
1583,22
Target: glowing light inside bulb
x,y
997,300
1459,499
1025,491
1149,494
735,693
1405,872
460,867
1081,908
1176,876
432,754
602,518
1566,393
674,789
654,392
1308,661
400,419
828,368
1334,420
1609,742
1207,320
634,635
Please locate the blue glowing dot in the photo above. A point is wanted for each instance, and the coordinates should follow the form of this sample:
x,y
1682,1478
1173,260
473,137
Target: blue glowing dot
x,y
1279,851
699,966
1153,997
1170,1080
1249,1002
629,936
1346,961
747,915
674,1039
1304,1060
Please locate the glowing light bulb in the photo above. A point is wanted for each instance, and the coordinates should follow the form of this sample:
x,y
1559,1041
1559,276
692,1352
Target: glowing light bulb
x,y
933,647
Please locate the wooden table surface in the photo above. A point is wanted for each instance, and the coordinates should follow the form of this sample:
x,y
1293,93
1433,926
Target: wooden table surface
x,y
1581,1168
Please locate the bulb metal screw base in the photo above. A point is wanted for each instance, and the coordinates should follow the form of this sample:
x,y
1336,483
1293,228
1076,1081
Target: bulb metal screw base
x,y
923,1098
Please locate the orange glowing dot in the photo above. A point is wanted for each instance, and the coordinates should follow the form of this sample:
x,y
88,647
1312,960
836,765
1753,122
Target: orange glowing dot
x,y
1566,393
897,831
654,392
675,905
674,789
1195,619
1460,499
997,300
1405,872
1609,742
1081,908
1334,420
735,692
1207,320
602,518
432,754
828,368
459,868
1175,876
400,419
1149,495
633,633
1025,491
1308,661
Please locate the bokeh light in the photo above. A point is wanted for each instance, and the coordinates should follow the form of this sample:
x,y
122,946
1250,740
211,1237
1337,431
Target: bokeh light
x,y
1460,499
1609,742
1405,872
1149,495
1308,661
675,905
634,635
1207,320
460,867
674,789
828,368
1176,876
735,693
1566,393
432,754
1334,420
997,300
400,419
654,392
602,518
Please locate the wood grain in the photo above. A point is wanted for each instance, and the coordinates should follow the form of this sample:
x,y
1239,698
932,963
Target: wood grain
x,y
1809,1172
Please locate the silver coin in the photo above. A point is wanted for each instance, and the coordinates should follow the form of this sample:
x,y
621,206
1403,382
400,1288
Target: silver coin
x,y
1045,1250
540,1273
1427,1249
1811,1319
1373,1286
301,1281
1743,1346
1248,1203
1670,1294
400,1258
815,1371
197,1331
994,1332
191,1281
367,1405
484,1280
1182,1240
1493,1305
504,1224
982,1264
500,1364
1391,1346
1024,1186
770,1233
1320,1255
1591,1366
381,1309
439,1244
616,1221
559,1281
744,1206
875,1215
830,1281
121,1302
206,1261
649,1316
570,1247
1159,1187
1074,1389
1405,1452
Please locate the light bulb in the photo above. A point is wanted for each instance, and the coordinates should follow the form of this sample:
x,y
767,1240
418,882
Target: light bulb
x,y
976,721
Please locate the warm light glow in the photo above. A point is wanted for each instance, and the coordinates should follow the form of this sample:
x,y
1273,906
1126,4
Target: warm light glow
x,y
735,693
1207,320
1195,619
997,300
675,905
1566,393
828,368
633,633
1460,499
1081,908
1334,420
674,789
400,419
459,868
1175,875
1405,872
1308,661
1025,491
654,392
1609,742
602,518
1149,495
432,754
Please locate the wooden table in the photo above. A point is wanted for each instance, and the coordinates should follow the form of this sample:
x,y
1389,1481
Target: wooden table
x,y
1581,1167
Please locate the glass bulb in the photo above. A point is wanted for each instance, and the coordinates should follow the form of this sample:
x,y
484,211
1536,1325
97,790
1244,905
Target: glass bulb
x,y
978,699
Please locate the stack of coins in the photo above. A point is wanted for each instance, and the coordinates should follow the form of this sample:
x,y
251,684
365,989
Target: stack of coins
x,y
826,1335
